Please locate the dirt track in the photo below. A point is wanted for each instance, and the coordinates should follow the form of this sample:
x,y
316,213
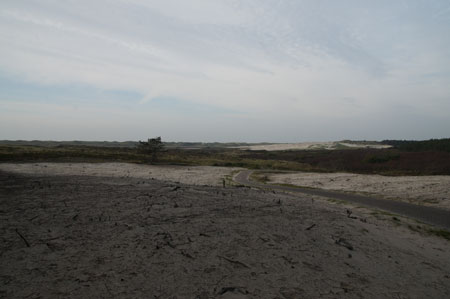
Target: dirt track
x,y
427,190
111,237
430,215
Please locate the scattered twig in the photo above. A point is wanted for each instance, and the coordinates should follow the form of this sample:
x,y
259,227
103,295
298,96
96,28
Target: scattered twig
x,y
311,226
264,239
345,243
312,266
54,238
232,290
184,253
23,238
33,218
234,261
349,215
170,244
289,260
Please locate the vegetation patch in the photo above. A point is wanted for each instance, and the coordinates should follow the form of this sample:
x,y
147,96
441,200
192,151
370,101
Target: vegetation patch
x,y
440,233
423,145
382,158
229,178
261,177
394,161
337,201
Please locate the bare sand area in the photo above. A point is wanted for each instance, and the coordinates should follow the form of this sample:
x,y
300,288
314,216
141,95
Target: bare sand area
x,y
111,236
195,175
422,190
331,145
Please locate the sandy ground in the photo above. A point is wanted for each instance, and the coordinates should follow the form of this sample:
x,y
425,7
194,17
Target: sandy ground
x,y
196,175
123,237
310,146
423,190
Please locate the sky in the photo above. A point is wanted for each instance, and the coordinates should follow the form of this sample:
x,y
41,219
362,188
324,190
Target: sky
x,y
224,70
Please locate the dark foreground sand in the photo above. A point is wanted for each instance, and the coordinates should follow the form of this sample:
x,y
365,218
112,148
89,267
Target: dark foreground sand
x,y
110,237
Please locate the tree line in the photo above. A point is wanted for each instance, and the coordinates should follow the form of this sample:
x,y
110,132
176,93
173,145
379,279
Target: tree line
x,y
441,145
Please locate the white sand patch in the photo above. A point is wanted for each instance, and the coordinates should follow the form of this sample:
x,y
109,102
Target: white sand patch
x,y
424,190
311,146
195,175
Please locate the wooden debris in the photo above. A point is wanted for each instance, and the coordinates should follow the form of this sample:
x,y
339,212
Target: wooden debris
x,y
234,261
23,238
345,243
310,227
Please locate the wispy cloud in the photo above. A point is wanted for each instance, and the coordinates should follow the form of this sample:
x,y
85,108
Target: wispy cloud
x,y
290,62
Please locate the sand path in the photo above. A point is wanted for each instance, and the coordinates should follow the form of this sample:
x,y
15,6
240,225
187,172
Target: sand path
x,y
430,215
421,190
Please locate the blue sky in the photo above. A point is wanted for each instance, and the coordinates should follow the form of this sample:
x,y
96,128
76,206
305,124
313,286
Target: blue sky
x,y
224,70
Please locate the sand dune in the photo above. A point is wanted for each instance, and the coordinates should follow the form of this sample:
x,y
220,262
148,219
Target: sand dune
x,y
83,233
423,190
311,146
196,175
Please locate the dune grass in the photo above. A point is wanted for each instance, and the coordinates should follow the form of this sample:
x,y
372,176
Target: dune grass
x,y
365,161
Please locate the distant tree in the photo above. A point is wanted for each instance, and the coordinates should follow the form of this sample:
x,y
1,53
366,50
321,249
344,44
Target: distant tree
x,y
152,147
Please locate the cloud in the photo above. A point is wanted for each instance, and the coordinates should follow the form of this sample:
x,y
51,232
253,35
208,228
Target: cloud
x,y
286,62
